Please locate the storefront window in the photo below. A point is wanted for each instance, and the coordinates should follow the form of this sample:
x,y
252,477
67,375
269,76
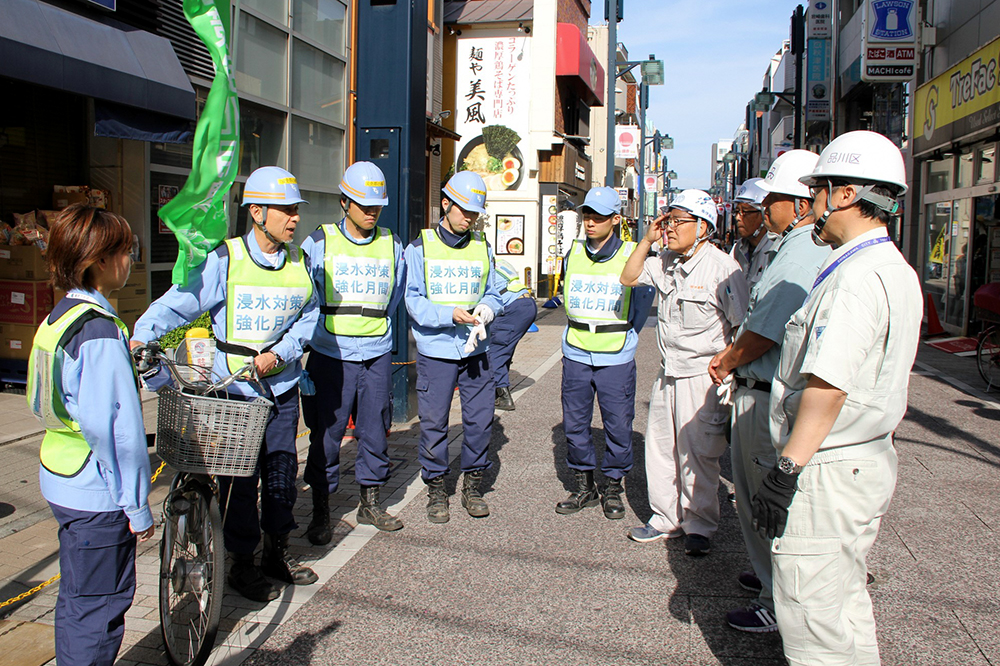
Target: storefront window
x,y
959,262
261,58
275,9
986,166
322,21
317,82
262,137
317,152
938,243
939,176
965,165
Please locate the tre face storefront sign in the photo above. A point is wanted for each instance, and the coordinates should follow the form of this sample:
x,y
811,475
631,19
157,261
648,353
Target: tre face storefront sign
x,y
959,101
889,40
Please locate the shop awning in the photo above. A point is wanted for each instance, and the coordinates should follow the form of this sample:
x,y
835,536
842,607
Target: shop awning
x,y
577,62
48,46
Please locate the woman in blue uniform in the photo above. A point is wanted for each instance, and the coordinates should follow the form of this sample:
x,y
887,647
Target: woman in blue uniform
x,y
94,464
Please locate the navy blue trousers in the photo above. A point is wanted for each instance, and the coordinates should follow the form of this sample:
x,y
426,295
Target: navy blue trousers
x,y
97,564
436,382
505,332
276,470
614,386
342,386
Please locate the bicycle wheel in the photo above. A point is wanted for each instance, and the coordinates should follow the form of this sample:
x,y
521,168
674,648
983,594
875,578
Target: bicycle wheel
x,y
192,571
988,356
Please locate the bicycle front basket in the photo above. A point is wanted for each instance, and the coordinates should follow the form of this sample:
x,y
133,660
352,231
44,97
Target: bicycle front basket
x,y
210,435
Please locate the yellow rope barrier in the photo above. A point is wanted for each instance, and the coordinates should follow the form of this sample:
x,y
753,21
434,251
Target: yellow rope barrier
x,y
25,595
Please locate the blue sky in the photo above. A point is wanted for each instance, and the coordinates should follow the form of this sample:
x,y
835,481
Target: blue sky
x,y
715,53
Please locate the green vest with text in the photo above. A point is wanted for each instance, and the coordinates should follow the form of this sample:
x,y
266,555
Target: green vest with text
x,y
64,450
455,276
596,302
359,281
262,303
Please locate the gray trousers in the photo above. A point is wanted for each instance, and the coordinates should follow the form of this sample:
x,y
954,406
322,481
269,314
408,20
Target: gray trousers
x,y
753,457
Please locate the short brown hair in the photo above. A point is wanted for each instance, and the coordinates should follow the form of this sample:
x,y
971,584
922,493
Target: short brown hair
x,y
79,238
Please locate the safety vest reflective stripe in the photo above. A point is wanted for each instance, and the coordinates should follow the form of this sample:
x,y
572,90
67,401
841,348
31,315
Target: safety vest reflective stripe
x,y
262,303
64,449
455,276
596,302
359,281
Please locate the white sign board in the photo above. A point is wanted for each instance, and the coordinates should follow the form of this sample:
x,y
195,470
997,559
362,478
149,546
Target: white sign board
x,y
623,194
818,80
819,23
889,40
649,183
493,90
627,142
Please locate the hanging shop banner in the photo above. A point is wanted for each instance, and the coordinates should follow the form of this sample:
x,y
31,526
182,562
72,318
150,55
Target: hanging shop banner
x,y
960,101
627,142
818,80
889,40
492,96
198,214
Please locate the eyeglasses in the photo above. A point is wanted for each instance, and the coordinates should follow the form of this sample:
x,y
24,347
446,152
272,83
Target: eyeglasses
x,y
816,189
747,211
674,223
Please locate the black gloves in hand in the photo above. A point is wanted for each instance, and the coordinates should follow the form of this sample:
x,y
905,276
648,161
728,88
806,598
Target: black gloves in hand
x,y
770,505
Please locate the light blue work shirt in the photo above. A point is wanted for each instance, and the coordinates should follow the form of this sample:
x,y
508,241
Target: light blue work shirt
x,y
98,385
350,347
638,311
434,330
206,292
793,264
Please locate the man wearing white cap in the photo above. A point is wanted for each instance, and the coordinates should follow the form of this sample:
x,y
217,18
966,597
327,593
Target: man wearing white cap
x,y
753,243
599,345
702,299
794,262
838,394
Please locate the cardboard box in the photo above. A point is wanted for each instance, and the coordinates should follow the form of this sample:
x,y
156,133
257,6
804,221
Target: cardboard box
x,y
25,302
15,341
22,262
137,285
129,309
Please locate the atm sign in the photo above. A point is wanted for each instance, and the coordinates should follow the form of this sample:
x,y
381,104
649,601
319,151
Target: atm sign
x,y
901,53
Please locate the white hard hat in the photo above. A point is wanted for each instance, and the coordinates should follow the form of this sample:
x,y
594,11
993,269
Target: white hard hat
x,y
699,204
783,176
860,157
751,192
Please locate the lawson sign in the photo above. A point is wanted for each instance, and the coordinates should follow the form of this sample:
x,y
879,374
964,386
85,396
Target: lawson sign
x,y
889,41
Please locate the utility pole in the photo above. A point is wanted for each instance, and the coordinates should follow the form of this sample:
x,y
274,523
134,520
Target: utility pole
x,y
612,11
798,48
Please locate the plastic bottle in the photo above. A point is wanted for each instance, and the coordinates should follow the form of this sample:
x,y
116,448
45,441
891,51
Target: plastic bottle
x,y
200,351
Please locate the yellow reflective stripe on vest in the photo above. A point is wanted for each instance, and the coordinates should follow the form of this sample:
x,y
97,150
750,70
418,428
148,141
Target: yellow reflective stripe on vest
x,y
262,303
455,276
594,295
360,276
64,450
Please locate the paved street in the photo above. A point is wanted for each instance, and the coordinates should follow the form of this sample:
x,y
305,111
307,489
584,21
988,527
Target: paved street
x,y
528,586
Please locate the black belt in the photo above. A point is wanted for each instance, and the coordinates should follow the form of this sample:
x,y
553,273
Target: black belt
x,y
754,384
377,313
601,328
240,350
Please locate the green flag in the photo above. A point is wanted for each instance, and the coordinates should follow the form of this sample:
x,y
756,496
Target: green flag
x,y
199,215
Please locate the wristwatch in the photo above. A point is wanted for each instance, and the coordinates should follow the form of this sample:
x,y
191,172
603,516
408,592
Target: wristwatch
x,y
277,359
788,466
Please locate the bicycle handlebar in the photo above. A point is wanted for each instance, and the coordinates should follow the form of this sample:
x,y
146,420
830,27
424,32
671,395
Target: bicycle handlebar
x,y
151,356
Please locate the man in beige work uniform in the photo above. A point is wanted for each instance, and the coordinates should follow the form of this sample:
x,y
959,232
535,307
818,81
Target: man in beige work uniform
x,y
702,299
838,394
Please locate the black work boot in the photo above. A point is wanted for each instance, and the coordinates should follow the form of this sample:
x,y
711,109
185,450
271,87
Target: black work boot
x,y
371,513
472,499
611,500
504,399
278,563
437,501
319,532
248,580
584,495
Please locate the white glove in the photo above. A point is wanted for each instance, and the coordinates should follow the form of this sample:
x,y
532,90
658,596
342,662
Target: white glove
x,y
483,313
725,390
477,333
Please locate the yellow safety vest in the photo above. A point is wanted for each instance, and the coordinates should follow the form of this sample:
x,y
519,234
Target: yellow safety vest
x,y
455,276
596,302
64,451
359,281
261,303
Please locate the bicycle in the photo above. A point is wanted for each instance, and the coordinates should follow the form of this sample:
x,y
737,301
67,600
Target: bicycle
x,y
201,436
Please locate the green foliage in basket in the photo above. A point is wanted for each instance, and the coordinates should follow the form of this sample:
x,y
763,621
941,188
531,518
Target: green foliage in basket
x,y
173,338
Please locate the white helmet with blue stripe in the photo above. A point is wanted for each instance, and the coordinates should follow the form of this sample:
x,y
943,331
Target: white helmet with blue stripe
x,y
467,190
699,204
364,184
752,193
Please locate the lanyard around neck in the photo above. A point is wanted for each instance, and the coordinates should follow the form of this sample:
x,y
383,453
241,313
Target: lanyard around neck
x,y
844,257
